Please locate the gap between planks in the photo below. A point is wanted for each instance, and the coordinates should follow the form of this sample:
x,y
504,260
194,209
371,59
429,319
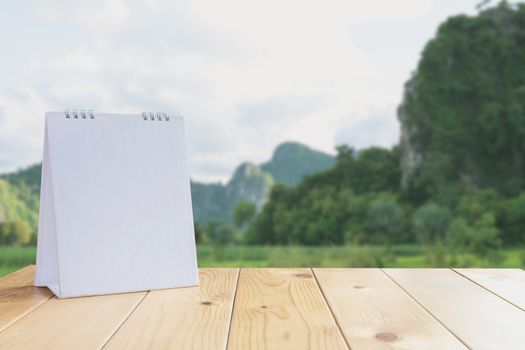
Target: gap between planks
x,y
233,308
427,310
497,286
124,321
24,298
330,308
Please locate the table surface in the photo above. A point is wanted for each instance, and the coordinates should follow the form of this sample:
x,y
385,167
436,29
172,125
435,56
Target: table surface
x,y
278,309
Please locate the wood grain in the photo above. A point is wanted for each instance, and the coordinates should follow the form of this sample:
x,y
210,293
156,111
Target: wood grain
x,y
183,318
18,296
509,284
77,323
374,313
478,317
282,309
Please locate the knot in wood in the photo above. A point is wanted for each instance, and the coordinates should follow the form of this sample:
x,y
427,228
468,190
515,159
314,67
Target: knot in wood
x,y
386,336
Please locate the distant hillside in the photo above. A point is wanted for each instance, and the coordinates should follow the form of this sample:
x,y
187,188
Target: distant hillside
x,y
216,201
290,162
30,176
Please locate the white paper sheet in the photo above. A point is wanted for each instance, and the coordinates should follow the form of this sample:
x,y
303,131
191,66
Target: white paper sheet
x,y
116,211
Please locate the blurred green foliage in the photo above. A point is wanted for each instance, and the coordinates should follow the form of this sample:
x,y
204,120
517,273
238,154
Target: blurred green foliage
x,y
18,213
463,119
431,223
14,258
243,213
15,233
464,108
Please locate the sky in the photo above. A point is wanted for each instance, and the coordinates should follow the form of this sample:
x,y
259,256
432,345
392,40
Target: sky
x,y
246,75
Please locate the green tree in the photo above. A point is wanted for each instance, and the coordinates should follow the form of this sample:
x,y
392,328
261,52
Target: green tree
x,y
485,237
15,233
481,238
17,204
219,233
330,207
355,217
243,213
513,219
458,236
371,170
473,204
385,222
430,223
262,230
376,170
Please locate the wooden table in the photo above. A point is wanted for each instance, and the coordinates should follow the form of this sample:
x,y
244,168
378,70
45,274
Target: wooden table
x,y
279,309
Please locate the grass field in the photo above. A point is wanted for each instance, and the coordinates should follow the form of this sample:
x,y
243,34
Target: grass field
x,y
13,258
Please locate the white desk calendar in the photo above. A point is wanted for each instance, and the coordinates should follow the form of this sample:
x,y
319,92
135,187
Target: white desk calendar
x,y
115,205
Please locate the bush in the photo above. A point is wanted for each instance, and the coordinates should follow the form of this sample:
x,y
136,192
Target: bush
x,y
243,213
362,257
15,233
458,236
219,233
522,257
295,256
481,238
430,223
485,238
513,220
385,222
436,255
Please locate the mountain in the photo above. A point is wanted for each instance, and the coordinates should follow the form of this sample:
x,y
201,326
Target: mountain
x,y
463,112
249,183
290,162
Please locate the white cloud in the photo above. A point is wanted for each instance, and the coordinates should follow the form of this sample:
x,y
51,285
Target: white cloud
x,y
245,74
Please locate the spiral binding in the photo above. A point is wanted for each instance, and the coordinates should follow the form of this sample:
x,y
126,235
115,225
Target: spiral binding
x,y
89,113
155,116
82,113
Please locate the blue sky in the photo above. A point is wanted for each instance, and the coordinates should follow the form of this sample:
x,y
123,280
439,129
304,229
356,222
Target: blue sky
x,y
246,75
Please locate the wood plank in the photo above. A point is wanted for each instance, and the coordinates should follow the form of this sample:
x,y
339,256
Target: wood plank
x,y
509,284
77,323
479,318
183,318
282,309
18,296
374,313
